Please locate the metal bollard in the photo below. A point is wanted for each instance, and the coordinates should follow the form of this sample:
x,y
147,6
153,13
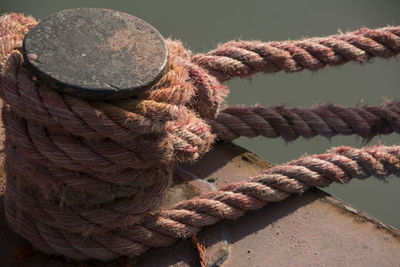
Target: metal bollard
x,y
96,53
105,169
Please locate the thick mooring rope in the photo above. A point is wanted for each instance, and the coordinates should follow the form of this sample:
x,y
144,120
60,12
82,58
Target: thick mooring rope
x,y
325,120
243,58
60,233
85,178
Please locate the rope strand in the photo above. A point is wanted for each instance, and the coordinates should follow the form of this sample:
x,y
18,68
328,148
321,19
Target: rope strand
x,y
186,218
84,178
325,120
244,58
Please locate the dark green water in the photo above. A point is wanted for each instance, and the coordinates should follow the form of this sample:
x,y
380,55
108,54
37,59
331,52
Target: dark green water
x,y
203,24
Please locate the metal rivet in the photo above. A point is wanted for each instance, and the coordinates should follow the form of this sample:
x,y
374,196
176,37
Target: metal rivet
x,y
95,53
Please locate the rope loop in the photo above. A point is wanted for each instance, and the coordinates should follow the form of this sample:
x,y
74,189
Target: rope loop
x,y
85,177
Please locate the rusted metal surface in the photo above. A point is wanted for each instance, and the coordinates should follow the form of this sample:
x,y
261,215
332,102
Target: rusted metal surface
x,y
313,229
309,231
96,53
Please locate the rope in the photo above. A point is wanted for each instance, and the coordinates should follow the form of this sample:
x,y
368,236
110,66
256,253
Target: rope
x,y
244,58
41,222
13,28
201,250
85,178
324,120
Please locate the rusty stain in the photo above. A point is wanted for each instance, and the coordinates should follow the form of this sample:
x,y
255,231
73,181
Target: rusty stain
x,y
140,45
122,39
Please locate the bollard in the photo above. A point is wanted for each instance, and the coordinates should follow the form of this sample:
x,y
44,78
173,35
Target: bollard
x,y
96,53
89,156
86,144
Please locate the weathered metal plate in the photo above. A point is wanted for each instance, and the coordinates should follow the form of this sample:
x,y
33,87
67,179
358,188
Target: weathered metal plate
x,y
96,53
313,229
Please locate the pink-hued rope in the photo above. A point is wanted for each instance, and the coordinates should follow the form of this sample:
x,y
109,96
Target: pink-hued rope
x,y
51,231
244,58
85,178
325,120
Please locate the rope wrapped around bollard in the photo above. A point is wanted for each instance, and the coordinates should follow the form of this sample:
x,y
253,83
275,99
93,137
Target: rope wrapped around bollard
x,y
85,177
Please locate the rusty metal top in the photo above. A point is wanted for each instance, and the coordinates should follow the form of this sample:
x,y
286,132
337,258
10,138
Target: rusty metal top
x,y
95,53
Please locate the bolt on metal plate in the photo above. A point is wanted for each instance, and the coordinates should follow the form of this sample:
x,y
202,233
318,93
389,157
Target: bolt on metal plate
x,y
96,54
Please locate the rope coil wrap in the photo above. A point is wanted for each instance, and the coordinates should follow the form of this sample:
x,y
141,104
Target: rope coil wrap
x,y
114,158
83,176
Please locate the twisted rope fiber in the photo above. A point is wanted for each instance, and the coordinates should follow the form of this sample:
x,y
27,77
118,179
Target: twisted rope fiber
x,y
325,120
244,58
38,220
114,159
83,177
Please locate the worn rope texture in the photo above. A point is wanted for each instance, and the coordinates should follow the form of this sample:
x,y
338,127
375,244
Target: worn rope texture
x,y
243,58
83,177
325,120
54,232
105,164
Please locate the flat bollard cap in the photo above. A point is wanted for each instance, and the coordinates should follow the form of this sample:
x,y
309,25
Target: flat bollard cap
x,y
95,54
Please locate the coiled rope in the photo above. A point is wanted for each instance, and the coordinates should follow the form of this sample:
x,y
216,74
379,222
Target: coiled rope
x,y
84,178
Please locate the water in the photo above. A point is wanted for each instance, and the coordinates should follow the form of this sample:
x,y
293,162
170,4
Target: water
x,y
203,24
